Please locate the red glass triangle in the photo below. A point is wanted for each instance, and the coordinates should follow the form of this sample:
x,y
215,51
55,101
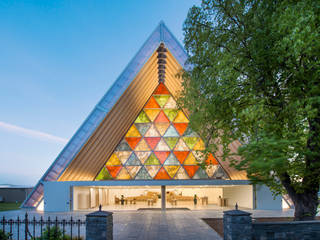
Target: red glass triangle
x,y
161,89
162,156
162,118
162,174
152,141
191,170
180,127
181,155
211,160
152,103
114,170
133,141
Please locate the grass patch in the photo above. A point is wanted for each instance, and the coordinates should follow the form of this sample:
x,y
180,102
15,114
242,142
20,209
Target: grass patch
x,y
9,206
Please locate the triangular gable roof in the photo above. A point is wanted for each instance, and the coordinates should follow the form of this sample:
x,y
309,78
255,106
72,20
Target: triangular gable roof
x,y
160,34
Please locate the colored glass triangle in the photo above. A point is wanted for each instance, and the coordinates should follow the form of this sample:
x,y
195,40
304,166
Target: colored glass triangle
x,y
181,155
162,174
171,132
152,132
133,170
152,141
191,141
171,103
153,170
162,99
181,174
123,156
199,146
152,103
133,141
191,160
152,160
211,160
162,127
123,146
113,170
190,133
142,146
142,118
172,160
104,175
161,89
180,127
171,141
191,170
161,118
133,160
171,170
113,160
181,146
152,113
162,146
181,118
210,169
133,132
200,174
143,175
171,113
143,156
123,174
220,173
162,156
143,127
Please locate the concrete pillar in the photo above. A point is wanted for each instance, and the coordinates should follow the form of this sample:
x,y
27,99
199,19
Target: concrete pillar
x,y
237,225
99,225
163,198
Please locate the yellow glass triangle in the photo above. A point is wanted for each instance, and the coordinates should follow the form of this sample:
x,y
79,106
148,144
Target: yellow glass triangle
x,y
142,146
171,170
191,160
152,113
113,160
181,118
133,132
123,174
199,145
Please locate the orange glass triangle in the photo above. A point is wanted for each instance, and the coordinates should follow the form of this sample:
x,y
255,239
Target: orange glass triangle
x,y
162,174
152,103
191,170
162,156
161,89
152,141
211,160
113,170
181,155
181,127
133,141
162,118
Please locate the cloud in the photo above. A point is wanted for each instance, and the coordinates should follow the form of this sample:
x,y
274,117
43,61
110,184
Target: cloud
x,y
32,133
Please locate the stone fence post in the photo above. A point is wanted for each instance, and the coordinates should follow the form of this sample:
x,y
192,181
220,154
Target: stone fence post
x,y
237,225
99,225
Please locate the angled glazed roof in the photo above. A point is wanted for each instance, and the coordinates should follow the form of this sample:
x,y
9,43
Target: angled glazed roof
x,y
97,137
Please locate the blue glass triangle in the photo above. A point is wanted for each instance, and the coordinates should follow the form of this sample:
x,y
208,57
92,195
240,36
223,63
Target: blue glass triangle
x,y
133,160
171,132
143,127
143,174
172,160
123,146
200,174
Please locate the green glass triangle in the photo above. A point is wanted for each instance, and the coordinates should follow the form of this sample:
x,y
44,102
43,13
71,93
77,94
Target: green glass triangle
x,y
190,141
171,113
142,118
143,174
104,175
123,146
143,127
171,141
190,133
162,99
172,160
200,174
152,160
133,161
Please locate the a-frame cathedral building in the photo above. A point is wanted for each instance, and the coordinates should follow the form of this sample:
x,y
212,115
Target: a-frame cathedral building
x,y
136,147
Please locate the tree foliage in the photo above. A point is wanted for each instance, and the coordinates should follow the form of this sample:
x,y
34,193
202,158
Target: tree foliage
x,y
255,77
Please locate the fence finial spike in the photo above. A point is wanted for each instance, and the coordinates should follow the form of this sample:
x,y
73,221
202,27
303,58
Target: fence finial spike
x,y
236,206
100,207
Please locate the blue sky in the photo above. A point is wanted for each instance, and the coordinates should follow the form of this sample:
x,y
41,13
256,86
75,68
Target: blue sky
x,y
57,59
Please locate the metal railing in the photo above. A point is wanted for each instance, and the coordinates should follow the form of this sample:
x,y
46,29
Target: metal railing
x,y
25,228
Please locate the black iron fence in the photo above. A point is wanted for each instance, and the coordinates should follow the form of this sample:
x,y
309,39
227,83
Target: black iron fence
x,y
38,229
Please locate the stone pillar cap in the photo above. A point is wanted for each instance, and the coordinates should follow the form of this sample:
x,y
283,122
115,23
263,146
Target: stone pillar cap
x,y
99,214
237,213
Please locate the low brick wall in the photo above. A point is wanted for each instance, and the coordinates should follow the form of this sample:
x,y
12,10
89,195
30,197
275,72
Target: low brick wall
x,y
296,230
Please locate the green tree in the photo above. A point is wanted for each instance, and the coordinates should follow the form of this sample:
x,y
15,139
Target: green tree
x,y
255,77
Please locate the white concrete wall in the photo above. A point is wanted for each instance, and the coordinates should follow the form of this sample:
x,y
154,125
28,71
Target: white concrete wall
x,y
242,195
56,197
265,200
81,198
